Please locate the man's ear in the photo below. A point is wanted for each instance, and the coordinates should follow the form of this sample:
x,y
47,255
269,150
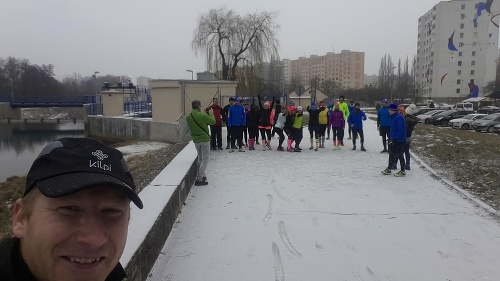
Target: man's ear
x,y
19,220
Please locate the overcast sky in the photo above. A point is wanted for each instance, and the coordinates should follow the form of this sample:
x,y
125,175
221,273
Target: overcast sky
x,y
153,37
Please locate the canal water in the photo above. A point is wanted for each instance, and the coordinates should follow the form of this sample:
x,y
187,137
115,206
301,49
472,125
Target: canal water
x,y
21,143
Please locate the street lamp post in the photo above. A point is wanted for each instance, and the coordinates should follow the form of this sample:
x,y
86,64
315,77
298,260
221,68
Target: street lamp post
x,y
390,80
188,70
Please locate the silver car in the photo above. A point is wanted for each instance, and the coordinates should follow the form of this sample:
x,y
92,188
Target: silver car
x,y
466,121
486,123
425,117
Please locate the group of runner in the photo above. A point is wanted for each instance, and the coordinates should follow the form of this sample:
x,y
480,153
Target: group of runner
x,y
245,122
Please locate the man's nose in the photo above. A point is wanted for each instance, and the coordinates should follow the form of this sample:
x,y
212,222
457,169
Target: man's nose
x,y
92,231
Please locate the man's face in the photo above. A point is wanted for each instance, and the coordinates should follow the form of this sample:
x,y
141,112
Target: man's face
x,y
392,111
231,102
215,101
75,237
247,106
341,99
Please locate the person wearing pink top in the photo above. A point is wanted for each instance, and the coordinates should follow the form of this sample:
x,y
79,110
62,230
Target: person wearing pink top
x,y
337,123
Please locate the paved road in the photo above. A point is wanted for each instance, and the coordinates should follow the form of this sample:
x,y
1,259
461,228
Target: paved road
x,y
327,215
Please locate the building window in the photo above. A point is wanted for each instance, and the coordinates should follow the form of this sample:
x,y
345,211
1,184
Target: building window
x,y
474,44
458,81
472,72
475,24
473,53
473,62
462,16
461,35
461,44
459,72
475,34
459,54
459,63
462,26
458,91
463,6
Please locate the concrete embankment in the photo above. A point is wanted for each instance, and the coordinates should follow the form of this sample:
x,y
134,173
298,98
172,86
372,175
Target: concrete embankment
x,y
163,199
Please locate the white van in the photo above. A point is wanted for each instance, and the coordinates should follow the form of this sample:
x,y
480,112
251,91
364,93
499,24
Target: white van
x,y
466,106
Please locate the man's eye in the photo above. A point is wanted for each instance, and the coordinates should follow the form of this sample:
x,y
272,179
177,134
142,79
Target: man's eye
x,y
69,209
111,212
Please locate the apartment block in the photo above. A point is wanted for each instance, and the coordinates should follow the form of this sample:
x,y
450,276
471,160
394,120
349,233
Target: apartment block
x,y
457,49
346,68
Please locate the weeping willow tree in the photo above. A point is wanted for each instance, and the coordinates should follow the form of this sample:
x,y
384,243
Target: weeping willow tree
x,y
228,40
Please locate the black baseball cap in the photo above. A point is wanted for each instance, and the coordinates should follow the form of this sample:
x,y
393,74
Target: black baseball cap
x,y
70,165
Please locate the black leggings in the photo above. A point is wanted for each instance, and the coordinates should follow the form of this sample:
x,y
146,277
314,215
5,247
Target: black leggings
x,y
322,130
264,132
279,131
253,132
338,133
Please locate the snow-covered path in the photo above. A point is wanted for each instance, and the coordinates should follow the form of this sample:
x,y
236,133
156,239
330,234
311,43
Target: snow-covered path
x,y
327,215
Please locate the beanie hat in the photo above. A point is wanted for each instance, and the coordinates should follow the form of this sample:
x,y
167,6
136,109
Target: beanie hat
x,y
383,101
231,99
236,99
393,106
412,109
357,104
299,108
292,108
313,103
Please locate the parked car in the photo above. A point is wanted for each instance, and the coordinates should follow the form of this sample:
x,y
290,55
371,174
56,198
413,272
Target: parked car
x,y
489,109
443,118
496,129
466,121
486,123
425,117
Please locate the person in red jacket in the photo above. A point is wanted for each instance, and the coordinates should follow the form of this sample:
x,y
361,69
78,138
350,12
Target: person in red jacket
x,y
216,130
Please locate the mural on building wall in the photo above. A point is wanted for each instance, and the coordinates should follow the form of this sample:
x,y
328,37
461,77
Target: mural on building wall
x,y
451,44
474,90
484,19
443,78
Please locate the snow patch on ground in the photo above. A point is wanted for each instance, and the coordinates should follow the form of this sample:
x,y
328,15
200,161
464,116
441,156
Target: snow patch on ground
x,y
141,148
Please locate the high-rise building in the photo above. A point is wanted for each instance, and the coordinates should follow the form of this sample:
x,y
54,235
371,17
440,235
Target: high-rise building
x,y
347,69
457,49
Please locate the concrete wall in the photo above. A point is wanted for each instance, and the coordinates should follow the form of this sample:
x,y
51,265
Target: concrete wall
x,y
150,227
6,111
172,98
136,129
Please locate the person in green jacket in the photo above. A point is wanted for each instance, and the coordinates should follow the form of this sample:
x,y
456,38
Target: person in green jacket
x,y
198,123
345,109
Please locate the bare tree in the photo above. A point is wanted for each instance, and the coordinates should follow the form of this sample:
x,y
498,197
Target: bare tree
x,y
329,88
228,40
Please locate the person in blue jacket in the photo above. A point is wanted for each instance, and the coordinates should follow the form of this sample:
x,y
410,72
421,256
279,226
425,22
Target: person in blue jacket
x,y
351,108
355,121
397,141
384,123
236,120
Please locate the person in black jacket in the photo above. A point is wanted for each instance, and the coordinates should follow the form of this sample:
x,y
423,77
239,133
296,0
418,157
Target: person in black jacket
x,y
313,125
253,117
72,221
288,129
277,110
